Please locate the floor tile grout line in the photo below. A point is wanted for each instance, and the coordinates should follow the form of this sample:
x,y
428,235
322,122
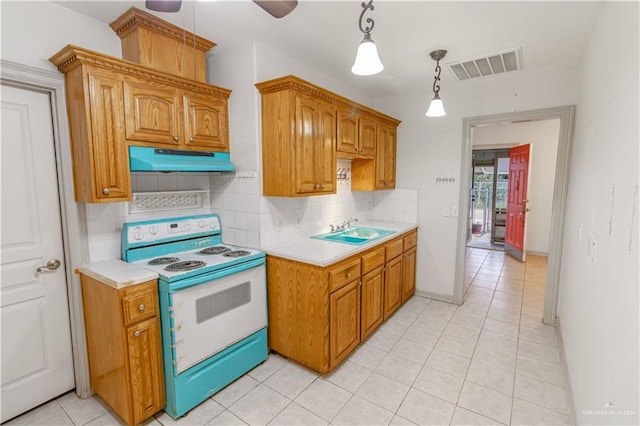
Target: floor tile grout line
x,y
473,353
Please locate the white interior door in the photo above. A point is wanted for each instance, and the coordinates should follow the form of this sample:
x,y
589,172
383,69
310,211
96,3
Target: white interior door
x,y
37,362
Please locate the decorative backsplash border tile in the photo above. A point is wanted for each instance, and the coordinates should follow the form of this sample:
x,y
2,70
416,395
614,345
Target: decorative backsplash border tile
x,y
144,202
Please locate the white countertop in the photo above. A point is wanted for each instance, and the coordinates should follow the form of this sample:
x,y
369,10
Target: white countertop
x,y
324,253
117,273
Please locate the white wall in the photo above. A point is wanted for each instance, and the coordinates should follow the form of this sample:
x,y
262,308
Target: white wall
x,y
598,306
431,147
543,137
33,31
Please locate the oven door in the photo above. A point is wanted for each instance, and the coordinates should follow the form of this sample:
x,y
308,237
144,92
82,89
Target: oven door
x,y
215,314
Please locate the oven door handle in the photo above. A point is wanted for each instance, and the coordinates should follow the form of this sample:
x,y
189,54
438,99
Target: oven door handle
x,y
190,282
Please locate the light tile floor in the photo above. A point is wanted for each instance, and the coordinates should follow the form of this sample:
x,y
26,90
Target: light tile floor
x,y
489,361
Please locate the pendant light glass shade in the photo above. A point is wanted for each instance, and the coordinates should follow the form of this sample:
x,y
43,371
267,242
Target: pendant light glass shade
x,y
367,60
436,107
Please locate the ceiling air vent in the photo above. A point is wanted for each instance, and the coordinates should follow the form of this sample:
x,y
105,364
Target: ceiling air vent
x,y
508,60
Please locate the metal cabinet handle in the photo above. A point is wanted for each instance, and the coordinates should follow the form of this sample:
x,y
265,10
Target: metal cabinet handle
x,y
51,265
136,333
176,138
105,191
348,274
141,307
191,139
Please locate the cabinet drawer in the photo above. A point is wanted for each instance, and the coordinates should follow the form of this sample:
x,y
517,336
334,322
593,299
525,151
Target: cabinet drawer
x,y
372,259
393,249
410,240
139,304
343,273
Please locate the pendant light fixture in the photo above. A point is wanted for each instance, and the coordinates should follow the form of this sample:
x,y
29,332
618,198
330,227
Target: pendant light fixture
x,y
367,60
436,108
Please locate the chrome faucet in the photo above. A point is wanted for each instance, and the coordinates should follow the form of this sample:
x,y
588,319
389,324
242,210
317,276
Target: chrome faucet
x,y
345,225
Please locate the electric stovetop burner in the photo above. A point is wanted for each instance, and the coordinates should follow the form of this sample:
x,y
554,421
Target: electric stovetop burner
x,y
163,260
187,265
215,250
236,253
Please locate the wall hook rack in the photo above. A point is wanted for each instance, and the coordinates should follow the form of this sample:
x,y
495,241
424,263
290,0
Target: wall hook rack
x,y
342,174
445,180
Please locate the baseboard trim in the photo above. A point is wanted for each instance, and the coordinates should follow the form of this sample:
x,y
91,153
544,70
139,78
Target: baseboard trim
x,y
434,296
565,368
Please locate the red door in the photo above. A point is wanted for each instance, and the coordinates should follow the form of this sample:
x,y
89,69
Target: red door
x,y
514,239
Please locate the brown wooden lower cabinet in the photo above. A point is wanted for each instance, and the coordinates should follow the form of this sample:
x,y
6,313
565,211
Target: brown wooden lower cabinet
x,y
319,315
124,346
344,322
371,302
392,286
409,273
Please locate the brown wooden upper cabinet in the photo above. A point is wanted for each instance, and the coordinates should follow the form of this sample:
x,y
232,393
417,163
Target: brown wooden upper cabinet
x,y
298,141
356,135
113,104
305,128
380,173
165,115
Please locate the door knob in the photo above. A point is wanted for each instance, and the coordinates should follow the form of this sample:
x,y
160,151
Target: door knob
x,y
51,265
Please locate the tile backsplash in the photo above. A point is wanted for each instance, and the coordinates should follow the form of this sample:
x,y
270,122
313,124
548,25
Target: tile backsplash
x,y
104,221
249,219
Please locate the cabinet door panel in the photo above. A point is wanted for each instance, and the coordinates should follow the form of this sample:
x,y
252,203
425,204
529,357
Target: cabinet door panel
x,y
392,286
325,159
381,158
367,138
206,123
408,274
152,113
344,322
347,141
372,301
305,147
390,155
110,156
145,364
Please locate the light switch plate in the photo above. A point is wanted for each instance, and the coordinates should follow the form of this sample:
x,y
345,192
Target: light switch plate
x,y
454,210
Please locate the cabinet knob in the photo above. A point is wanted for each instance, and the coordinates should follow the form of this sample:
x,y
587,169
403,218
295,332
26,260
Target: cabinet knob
x,y
176,138
136,333
349,274
316,186
191,139
105,191
141,307
322,186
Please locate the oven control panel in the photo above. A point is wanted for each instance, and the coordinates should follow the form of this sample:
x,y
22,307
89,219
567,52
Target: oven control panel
x,y
158,230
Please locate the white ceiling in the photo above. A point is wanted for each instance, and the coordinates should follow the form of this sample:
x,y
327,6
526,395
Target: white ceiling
x,y
325,34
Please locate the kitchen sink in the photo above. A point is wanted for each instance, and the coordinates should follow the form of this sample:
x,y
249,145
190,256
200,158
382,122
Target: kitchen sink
x,y
357,235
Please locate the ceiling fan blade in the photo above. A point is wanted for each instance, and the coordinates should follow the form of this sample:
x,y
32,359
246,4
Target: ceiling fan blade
x,y
277,8
163,5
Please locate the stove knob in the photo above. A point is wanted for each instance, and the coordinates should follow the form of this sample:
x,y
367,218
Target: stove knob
x,y
153,230
138,235
201,223
212,225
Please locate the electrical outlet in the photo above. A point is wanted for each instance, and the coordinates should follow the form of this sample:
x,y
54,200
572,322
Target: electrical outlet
x,y
446,212
454,210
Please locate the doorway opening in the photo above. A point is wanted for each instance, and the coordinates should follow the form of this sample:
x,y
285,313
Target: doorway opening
x,y
566,116
487,217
